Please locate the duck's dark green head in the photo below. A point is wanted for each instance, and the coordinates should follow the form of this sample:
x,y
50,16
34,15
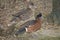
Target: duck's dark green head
x,y
39,15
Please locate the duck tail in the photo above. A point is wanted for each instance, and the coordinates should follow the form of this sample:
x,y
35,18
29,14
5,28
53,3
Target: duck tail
x,y
21,31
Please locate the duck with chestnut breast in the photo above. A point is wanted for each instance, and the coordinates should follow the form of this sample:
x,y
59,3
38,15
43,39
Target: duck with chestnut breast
x,y
30,26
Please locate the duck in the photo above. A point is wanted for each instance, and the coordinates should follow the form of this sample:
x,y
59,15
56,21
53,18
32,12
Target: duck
x,y
24,14
31,25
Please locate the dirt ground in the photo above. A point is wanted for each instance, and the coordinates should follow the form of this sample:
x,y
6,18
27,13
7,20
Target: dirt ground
x,y
50,20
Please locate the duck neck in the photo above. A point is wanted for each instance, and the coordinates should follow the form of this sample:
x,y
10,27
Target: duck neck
x,y
38,19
